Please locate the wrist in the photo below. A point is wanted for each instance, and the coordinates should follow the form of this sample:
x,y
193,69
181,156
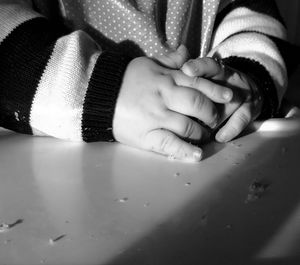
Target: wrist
x,y
261,82
101,97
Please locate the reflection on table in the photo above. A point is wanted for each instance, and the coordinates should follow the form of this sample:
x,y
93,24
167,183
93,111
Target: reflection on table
x,y
104,203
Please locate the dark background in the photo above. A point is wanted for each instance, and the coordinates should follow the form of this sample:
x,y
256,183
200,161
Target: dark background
x,y
290,10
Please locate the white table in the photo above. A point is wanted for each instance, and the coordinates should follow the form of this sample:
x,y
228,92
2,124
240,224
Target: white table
x,y
105,203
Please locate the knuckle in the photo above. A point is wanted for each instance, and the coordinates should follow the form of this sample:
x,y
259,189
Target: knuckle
x,y
175,75
244,118
166,142
167,80
242,121
195,82
215,90
198,101
187,129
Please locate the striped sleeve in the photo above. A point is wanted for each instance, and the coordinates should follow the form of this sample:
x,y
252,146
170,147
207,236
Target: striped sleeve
x,y
52,83
246,37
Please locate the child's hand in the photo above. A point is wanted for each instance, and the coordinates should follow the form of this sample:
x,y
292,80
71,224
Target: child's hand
x,y
246,103
155,108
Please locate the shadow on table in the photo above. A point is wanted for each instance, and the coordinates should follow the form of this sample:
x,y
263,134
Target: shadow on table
x,y
231,230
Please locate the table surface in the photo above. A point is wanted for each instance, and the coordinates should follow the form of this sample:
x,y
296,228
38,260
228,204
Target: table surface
x,y
108,204
105,203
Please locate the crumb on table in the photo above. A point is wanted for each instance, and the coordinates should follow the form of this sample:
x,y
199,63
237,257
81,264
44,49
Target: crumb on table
x,y
256,190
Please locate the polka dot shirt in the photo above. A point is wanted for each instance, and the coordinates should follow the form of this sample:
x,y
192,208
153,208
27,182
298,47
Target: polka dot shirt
x,y
153,28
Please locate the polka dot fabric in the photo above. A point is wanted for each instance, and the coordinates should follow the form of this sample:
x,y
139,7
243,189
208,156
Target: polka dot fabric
x,y
210,8
136,20
176,19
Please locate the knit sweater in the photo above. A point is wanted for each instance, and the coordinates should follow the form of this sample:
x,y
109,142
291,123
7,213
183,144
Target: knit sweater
x,y
62,61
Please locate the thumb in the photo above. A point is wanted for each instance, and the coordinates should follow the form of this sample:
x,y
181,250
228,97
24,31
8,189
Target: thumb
x,y
167,143
175,59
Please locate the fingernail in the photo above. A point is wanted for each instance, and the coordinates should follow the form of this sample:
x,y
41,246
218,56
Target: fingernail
x,y
222,137
227,94
190,68
197,155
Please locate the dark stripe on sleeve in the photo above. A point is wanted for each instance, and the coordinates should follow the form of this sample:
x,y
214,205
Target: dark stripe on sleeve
x,y
259,74
24,54
101,97
289,52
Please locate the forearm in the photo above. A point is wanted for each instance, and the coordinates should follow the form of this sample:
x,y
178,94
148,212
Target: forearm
x,y
55,84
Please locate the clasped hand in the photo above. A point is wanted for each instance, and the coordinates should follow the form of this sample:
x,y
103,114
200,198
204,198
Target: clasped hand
x,y
171,111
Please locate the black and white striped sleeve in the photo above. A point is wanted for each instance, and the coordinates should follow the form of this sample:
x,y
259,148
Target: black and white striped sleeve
x,y
51,83
246,37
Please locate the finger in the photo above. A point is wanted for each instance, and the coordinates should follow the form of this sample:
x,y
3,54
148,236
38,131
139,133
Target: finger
x,y
205,67
175,59
191,102
185,127
167,143
236,124
212,90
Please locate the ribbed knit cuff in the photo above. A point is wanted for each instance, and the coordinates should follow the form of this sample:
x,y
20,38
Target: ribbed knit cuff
x,y
101,97
24,54
263,81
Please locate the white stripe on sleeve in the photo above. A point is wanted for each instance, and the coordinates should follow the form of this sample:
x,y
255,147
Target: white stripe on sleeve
x,y
243,19
12,14
260,48
58,103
